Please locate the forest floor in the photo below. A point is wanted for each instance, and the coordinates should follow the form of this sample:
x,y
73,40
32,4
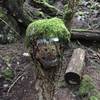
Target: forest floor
x,y
21,87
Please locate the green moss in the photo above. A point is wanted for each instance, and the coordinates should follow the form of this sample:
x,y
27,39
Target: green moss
x,y
95,97
86,86
47,28
67,16
8,73
2,13
98,95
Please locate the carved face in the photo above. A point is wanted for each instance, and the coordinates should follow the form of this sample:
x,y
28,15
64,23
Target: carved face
x,y
47,54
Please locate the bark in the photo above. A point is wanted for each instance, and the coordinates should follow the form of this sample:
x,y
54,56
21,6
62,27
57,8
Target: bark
x,y
74,71
88,35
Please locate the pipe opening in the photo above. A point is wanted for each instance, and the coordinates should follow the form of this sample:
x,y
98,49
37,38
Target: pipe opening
x,y
72,78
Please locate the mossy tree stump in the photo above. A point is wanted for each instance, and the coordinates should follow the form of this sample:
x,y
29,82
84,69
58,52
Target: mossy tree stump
x,y
39,37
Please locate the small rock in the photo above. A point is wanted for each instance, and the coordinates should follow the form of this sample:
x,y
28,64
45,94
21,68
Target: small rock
x,y
26,54
17,63
5,85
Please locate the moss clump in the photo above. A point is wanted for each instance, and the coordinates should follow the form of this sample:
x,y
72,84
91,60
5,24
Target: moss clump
x,y
95,96
86,86
8,73
67,16
1,13
47,28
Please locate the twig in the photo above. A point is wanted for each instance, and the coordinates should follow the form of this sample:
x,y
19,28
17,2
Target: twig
x,y
12,85
9,26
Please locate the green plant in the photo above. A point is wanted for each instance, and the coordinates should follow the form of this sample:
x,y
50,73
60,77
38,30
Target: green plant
x,y
87,88
86,85
93,98
8,73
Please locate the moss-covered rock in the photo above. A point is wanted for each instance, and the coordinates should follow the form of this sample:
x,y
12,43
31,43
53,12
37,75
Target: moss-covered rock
x,y
8,28
47,28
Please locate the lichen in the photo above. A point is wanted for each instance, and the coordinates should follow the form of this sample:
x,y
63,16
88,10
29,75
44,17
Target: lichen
x,y
47,28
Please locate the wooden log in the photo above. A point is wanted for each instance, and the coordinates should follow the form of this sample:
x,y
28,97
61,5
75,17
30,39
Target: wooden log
x,y
88,35
74,69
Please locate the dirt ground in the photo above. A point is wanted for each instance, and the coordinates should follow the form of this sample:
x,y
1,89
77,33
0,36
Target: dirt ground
x,y
24,88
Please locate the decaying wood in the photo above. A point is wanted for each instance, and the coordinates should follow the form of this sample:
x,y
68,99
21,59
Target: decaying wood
x,y
89,35
76,64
